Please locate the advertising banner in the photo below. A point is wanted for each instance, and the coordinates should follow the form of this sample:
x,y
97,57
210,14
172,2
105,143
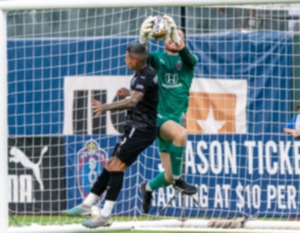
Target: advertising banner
x,y
237,174
236,154
37,178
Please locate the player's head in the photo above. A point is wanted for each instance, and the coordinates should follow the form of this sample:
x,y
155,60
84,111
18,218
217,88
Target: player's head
x,y
298,107
170,45
136,56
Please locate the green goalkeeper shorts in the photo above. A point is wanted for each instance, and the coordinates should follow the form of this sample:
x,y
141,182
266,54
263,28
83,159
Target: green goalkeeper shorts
x,y
163,146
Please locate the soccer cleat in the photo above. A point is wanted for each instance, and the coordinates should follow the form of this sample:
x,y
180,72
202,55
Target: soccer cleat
x,y
147,198
98,221
181,186
79,211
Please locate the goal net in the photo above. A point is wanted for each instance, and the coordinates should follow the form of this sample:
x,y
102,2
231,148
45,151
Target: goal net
x,y
245,91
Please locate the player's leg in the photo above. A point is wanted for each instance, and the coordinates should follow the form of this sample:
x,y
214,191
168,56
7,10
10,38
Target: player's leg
x,y
164,178
177,134
161,180
84,209
132,144
116,169
171,144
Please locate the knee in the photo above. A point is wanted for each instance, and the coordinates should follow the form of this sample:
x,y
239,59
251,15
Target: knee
x,y
108,166
181,136
115,165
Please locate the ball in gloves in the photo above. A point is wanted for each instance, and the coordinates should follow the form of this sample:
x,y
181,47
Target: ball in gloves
x,y
161,28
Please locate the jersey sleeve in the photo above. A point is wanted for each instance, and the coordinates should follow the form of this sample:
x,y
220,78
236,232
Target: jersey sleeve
x,y
188,58
291,123
141,84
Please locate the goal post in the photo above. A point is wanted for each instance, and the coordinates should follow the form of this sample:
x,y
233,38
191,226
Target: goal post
x,y
56,56
3,126
36,4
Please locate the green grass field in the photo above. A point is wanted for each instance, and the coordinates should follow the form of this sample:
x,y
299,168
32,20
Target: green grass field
x,y
22,220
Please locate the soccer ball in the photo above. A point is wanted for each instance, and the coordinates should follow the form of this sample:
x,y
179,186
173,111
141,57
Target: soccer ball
x,y
161,28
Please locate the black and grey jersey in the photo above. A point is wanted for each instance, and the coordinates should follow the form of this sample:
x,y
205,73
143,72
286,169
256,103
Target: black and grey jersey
x,y
143,115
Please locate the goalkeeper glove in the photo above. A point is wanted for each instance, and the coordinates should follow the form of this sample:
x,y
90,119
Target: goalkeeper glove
x,y
146,29
174,34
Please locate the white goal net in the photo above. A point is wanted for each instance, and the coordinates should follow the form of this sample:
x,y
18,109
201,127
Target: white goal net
x,y
245,91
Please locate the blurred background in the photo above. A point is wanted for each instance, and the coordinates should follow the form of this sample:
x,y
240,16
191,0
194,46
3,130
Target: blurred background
x,y
82,22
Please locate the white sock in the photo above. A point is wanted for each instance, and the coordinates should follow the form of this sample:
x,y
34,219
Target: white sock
x,y
148,188
176,177
90,200
107,208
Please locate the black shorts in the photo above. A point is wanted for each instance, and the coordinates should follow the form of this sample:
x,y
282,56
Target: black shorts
x,y
132,143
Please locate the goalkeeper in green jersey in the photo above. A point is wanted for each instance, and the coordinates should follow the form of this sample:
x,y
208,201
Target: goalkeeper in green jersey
x,y
175,70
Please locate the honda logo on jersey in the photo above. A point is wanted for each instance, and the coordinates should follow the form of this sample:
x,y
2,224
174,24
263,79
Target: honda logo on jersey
x,y
171,78
217,106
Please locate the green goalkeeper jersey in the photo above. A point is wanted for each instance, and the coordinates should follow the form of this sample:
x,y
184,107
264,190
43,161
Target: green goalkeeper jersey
x,y
175,74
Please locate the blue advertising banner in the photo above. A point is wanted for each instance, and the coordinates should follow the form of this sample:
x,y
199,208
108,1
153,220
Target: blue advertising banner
x,y
236,175
245,175
85,159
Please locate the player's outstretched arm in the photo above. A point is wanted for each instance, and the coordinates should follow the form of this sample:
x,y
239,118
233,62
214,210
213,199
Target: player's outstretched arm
x,y
174,33
177,36
288,131
146,29
131,102
294,132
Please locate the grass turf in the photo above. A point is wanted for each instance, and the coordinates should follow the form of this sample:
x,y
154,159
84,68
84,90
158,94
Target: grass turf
x,y
58,220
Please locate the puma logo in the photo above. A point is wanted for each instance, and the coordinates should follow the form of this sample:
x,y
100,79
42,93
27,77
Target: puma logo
x,y
18,156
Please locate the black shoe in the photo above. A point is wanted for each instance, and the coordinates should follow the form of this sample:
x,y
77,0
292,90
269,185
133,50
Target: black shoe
x,y
147,198
181,186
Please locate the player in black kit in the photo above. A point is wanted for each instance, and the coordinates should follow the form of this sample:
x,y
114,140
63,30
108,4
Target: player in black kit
x,y
139,133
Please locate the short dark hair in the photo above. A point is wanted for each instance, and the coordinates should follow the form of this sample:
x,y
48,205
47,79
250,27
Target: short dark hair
x,y
138,50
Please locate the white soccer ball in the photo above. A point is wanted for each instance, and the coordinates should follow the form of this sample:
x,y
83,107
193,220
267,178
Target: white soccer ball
x,y
161,28
95,211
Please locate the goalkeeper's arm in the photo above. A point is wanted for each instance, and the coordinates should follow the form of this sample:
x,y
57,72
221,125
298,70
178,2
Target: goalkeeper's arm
x,y
187,57
174,32
177,37
146,29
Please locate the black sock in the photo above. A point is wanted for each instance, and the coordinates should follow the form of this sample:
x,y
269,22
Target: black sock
x,y
114,185
100,185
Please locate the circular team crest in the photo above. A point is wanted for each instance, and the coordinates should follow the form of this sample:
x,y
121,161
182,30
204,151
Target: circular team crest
x,y
91,160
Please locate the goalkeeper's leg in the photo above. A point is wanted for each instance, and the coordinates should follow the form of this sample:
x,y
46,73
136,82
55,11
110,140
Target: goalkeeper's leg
x,y
171,144
177,155
174,132
163,179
